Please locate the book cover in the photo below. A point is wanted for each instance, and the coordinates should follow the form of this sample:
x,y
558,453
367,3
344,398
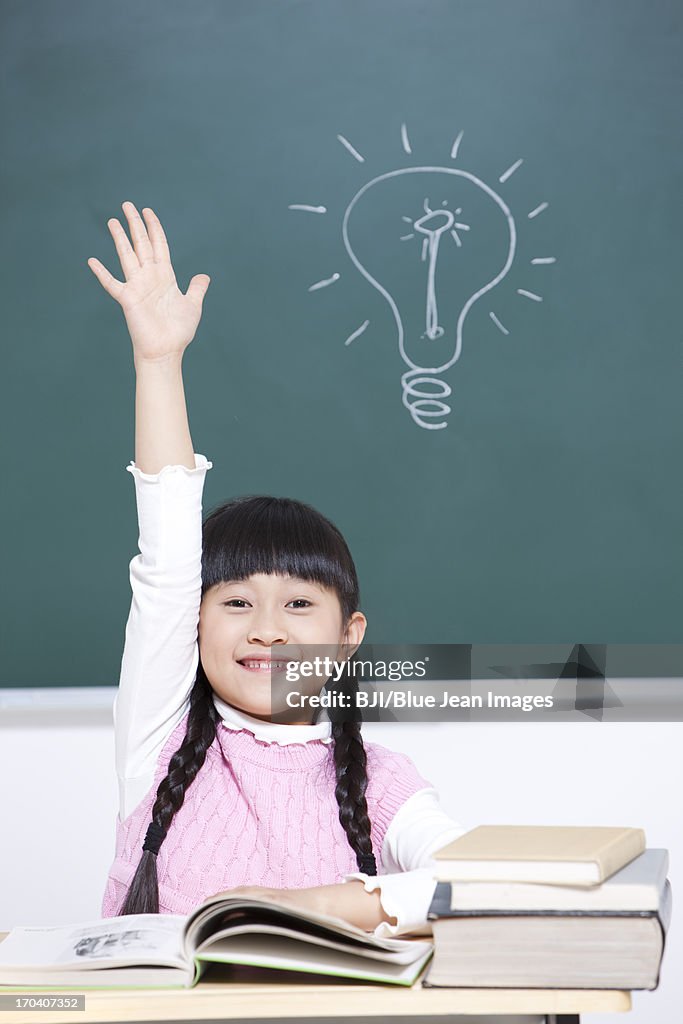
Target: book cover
x,y
562,855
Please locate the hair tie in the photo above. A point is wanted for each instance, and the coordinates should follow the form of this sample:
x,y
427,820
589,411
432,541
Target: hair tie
x,y
367,864
154,837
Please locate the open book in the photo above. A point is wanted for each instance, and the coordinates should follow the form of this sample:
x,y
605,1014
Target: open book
x,y
173,951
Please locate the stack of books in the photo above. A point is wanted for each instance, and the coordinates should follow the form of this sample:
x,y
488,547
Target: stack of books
x,y
549,907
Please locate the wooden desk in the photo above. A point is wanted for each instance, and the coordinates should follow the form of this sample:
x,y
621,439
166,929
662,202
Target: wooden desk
x,y
273,1000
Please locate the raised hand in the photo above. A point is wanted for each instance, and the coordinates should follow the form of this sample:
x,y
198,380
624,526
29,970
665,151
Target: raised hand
x,y
161,320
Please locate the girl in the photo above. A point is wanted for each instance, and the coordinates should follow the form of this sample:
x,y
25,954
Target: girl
x,y
213,795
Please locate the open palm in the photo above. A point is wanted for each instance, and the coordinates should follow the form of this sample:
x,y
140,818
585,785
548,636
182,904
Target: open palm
x,y
161,320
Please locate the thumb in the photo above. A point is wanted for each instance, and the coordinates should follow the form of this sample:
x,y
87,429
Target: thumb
x,y
198,288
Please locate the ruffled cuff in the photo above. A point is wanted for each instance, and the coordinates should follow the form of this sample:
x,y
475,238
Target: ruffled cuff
x,y
405,895
169,506
201,463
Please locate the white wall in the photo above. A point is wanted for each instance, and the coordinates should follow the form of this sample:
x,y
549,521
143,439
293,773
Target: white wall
x,y
59,800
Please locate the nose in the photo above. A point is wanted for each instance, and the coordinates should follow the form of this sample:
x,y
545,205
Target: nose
x,y
267,631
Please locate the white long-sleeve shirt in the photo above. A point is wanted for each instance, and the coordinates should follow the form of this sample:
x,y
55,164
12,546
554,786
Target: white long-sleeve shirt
x,y
159,667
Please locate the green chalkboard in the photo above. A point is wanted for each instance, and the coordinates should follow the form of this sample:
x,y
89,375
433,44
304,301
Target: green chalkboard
x,y
445,248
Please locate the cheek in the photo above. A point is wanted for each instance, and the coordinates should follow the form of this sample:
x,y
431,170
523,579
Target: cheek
x,y
206,631
217,633
334,627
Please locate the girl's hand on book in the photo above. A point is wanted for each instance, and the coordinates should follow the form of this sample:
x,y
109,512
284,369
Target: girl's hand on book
x,y
345,901
161,320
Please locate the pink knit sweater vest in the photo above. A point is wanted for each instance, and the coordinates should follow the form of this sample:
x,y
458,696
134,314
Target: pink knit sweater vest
x,y
257,813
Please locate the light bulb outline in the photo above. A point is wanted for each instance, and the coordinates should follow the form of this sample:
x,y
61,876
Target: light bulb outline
x,y
415,367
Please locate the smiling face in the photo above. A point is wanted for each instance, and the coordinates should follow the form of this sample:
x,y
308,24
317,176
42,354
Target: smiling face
x,y
240,621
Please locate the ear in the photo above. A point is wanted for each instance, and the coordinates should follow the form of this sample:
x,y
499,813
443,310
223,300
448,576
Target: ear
x,y
354,632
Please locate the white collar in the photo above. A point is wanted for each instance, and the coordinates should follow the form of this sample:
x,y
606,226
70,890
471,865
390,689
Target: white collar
x,y
273,732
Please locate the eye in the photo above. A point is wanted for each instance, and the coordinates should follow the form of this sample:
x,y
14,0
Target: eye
x,y
302,602
235,602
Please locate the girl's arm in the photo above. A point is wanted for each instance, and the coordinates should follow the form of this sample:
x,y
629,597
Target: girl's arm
x,y
347,900
162,432
160,656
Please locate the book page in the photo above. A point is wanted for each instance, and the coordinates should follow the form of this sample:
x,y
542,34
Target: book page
x,y
231,940
107,942
221,913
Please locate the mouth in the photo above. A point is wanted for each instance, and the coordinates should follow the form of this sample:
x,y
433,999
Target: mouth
x,y
264,664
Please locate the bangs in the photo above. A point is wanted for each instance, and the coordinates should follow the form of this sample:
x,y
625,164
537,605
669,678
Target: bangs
x,y
259,534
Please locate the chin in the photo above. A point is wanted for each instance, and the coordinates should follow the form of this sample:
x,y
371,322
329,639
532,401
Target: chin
x,y
254,710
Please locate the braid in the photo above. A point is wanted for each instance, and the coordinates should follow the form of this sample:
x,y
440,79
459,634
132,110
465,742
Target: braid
x,y
143,894
350,762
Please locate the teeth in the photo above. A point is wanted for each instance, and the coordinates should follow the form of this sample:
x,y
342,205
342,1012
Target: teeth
x,y
262,664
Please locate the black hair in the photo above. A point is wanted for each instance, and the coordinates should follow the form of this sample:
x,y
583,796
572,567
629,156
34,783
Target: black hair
x,y
244,536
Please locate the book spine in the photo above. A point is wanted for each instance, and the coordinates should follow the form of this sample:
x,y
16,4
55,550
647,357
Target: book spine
x,y
664,918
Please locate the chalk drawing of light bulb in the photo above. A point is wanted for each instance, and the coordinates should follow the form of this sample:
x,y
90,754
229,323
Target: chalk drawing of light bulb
x,y
461,246
435,294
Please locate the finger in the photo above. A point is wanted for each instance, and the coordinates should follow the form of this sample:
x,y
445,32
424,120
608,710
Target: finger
x,y
138,232
108,282
198,287
157,236
127,258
